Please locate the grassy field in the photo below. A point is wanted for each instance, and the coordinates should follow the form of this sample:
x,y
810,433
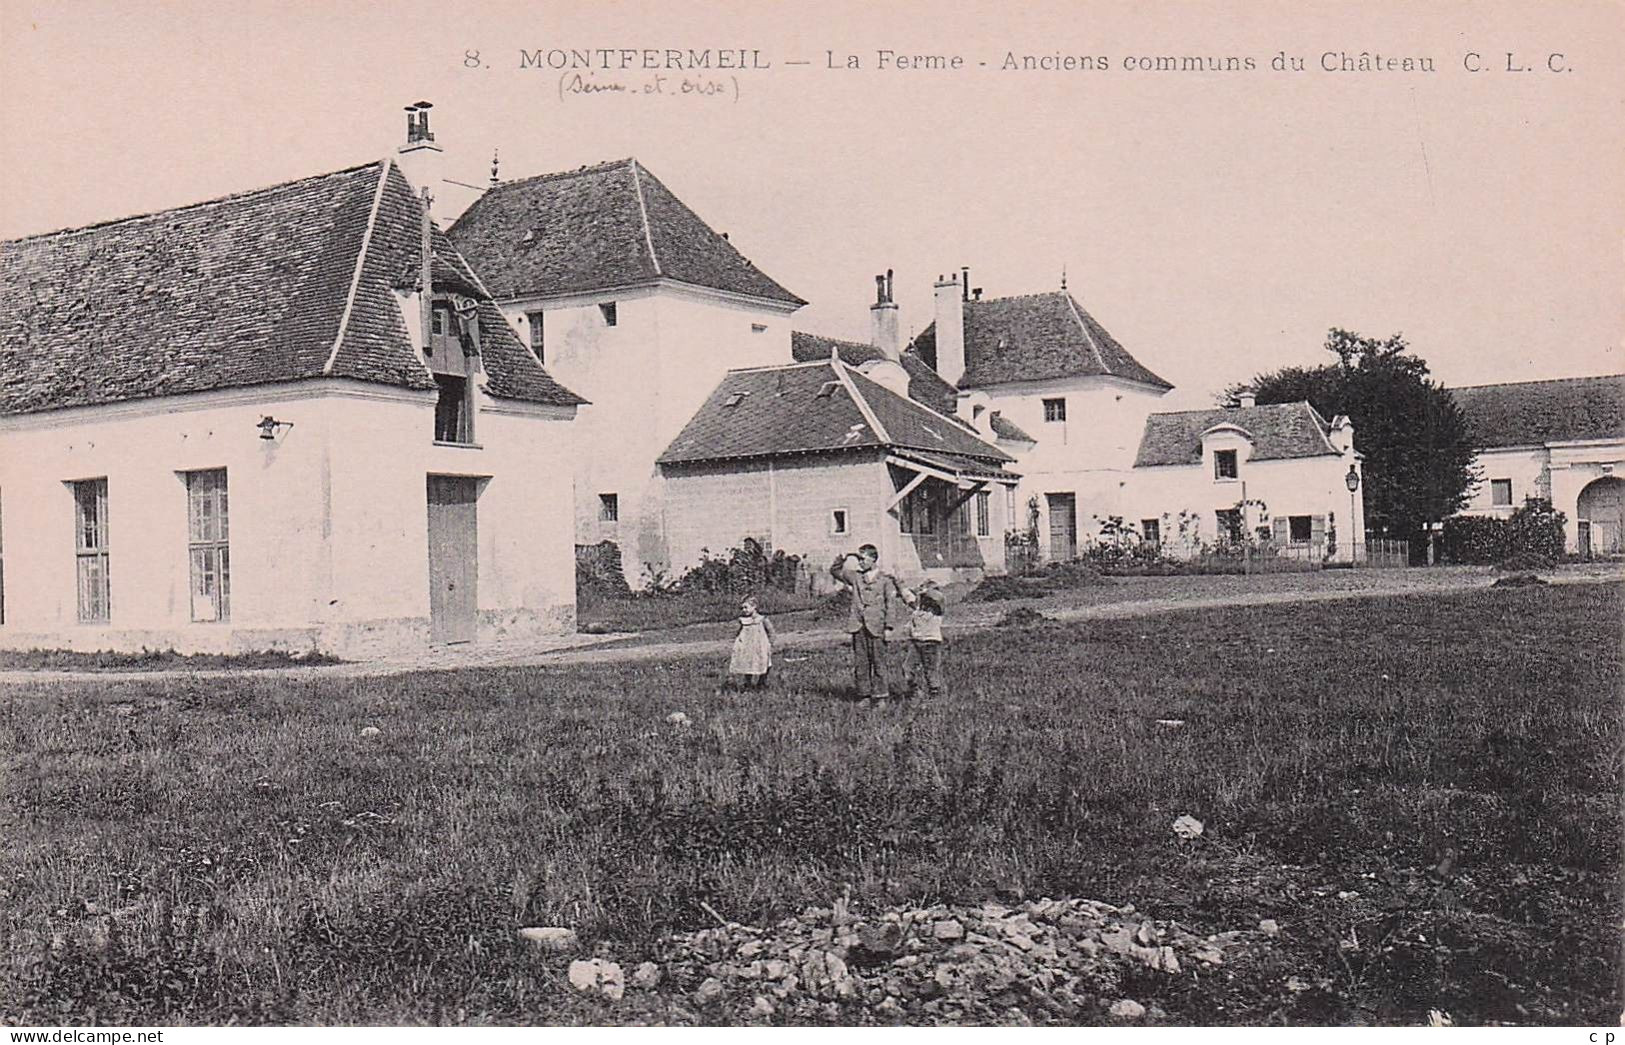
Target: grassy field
x,y
1423,792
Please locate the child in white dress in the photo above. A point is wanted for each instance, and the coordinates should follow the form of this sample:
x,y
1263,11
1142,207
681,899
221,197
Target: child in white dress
x,y
752,657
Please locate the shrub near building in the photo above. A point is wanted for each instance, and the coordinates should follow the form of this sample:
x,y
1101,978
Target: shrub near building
x,y
1533,531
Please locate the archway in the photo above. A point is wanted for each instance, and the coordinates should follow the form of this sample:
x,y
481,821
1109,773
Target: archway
x,y
1600,517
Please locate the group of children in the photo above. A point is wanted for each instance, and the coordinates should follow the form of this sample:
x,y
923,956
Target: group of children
x,y
752,659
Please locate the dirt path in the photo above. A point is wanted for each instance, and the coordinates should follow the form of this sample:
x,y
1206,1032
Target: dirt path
x,y
1179,594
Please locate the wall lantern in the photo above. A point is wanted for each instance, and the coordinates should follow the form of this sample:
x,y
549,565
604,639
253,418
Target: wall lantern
x,y
270,426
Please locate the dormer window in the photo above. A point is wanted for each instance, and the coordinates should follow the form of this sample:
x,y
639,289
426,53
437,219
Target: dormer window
x,y
608,310
438,325
1224,464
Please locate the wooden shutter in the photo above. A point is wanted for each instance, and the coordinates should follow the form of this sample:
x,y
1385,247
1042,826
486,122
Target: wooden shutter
x,y
1282,529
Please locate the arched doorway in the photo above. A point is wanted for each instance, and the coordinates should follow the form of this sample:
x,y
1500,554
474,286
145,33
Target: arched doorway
x,y
1600,517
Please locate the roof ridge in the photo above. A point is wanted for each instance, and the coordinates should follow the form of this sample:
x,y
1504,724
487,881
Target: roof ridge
x,y
1220,409
836,340
231,197
591,168
360,265
1538,381
852,390
643,212
777,366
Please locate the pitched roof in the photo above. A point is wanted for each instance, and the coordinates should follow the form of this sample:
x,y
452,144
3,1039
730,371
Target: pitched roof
x,y
1036,337
611,225
279,284
1529,413
1005,428
1279,431
925,385
815,408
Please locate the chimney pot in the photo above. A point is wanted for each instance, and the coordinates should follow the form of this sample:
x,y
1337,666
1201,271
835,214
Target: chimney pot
x,y
964,282
1247,399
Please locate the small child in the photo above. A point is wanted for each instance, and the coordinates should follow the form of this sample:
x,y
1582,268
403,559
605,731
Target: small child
x,y
924,668
752,655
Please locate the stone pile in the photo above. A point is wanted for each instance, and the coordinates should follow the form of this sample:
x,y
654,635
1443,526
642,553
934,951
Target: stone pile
x,y
1045,961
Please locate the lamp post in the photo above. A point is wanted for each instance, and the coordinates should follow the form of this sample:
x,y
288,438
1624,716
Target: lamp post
x,y
1352,481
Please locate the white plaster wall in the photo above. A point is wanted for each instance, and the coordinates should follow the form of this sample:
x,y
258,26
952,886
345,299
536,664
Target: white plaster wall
x,y
788,504
1090,455
1300,486
645,378
1527,467
328,521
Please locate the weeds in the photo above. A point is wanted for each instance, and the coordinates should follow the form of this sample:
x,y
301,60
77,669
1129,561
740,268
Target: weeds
x,y
1423,793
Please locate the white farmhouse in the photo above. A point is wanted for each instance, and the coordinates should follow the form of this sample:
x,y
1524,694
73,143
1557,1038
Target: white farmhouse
x,y
629,297
1277,473
818,458
1044,379
289,418
1563,441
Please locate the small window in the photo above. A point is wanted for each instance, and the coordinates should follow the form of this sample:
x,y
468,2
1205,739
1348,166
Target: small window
x,y
1151,531
537,327
837,521
758,328
827,389
735,399
1229,521
1055,409
1301,528
1224,464
453,413
208,537
984,514
1501,492
608,309
90,549
609,507
438,324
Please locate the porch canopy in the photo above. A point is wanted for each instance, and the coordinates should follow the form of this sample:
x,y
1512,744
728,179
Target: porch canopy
x,y
970,475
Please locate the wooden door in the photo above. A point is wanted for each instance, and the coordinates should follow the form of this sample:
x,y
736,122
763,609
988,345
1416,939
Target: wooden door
x,y
453,558
1063,525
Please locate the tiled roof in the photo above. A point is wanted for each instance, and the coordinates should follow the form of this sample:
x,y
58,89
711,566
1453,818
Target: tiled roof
x,y
1529,413
1005,428
250,289
611,225
1036,337
1279,431
814,408
924,384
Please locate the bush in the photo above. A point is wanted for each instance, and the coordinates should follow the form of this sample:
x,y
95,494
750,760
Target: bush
x,y
598,572
747,568
1536,530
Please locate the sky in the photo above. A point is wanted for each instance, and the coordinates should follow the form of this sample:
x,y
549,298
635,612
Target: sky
x,y
1216,222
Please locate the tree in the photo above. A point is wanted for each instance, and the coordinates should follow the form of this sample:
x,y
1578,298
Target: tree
x,y
1418,463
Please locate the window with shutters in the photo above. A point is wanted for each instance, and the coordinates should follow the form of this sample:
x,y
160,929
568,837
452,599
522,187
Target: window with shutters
x,y
90,550
208,537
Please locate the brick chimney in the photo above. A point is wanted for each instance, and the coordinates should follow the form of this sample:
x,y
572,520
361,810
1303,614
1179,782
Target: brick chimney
x,y
419,156
1247,399
883,320
950,320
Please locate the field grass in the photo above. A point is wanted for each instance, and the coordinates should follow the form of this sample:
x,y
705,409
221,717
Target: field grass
x,y
1423,792
156,660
